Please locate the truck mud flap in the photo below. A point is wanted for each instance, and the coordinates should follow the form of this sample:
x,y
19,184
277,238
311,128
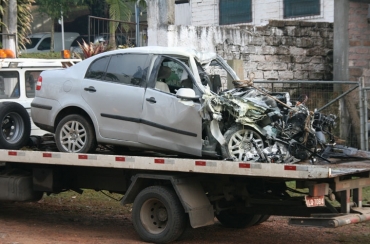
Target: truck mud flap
x,y
333,220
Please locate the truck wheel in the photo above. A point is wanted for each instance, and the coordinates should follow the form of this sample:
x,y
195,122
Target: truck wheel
x,y
75,134
262,219
15,126
237,220
158,215
242,143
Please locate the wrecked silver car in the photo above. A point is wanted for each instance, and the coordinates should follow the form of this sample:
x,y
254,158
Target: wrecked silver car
x,y
256,125
162,99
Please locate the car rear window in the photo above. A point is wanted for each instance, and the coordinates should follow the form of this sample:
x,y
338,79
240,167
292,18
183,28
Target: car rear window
x,y
97,69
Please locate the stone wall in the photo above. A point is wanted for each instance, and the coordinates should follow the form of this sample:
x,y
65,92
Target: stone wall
x,y
359,42
281,50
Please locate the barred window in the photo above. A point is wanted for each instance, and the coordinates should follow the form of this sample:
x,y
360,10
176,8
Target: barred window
x,y
301,8
235,11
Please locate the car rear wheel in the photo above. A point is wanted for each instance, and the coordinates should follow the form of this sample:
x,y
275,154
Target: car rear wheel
x,y
75,133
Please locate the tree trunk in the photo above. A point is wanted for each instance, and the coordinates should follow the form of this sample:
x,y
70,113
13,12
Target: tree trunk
x,y
52,35
10,30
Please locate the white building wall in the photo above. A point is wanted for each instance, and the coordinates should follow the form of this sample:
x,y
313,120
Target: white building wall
x,y
206,12
264,10
182,14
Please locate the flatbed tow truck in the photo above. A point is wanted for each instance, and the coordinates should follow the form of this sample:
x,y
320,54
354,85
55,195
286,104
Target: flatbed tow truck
x,y
169,192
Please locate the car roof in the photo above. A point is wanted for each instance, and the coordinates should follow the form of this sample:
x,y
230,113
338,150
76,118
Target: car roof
x,y
200,56
41,34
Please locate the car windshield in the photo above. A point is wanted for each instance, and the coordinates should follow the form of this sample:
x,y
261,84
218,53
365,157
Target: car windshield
x,y
32,42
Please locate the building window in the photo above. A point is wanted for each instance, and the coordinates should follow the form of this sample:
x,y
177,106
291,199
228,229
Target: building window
x,y
235,11
301,8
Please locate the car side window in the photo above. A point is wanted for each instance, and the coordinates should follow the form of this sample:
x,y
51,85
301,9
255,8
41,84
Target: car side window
x,y
128,69
9,85
31,78
175,78
45,44
97,69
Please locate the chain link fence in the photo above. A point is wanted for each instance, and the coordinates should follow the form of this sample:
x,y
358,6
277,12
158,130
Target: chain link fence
x,y
326,97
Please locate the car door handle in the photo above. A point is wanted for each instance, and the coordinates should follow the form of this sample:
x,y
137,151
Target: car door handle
x,y
90,89
151,100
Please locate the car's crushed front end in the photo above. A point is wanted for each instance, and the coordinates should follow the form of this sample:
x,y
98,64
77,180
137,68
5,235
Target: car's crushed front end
x,y
253,124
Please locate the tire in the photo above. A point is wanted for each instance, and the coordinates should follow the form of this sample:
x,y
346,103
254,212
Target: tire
x,y
262,219
15,126
158,215
237,220
239,146
75,134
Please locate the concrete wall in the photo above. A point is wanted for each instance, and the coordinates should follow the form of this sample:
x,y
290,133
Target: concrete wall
x,y
281,50
206,12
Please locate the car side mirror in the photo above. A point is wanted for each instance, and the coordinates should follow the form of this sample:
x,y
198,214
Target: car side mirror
x,y
186,94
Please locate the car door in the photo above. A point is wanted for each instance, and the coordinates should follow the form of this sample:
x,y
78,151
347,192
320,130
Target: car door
x,y
114,88
168,121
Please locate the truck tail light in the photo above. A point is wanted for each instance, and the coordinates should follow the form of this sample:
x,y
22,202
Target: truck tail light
x,y
38,84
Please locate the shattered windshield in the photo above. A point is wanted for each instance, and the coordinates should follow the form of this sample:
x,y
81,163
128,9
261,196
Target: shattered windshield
x,y
220,74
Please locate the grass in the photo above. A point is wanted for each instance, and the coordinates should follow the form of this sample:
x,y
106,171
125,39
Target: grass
x,y
90,200
46,55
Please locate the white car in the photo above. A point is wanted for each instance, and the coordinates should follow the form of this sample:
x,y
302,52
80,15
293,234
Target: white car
x,y
41,42
18,79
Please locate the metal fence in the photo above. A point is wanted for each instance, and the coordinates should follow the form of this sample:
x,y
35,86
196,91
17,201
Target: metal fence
x,y
364,115
125,32
326,97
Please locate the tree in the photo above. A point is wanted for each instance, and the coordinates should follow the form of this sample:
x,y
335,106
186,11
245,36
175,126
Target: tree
x,y
118,10
54,9
16,19
24,20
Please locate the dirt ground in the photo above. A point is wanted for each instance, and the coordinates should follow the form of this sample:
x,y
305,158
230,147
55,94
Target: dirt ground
x,y
73,218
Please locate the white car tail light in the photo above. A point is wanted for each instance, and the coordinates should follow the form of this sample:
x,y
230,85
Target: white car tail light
x,y
38,84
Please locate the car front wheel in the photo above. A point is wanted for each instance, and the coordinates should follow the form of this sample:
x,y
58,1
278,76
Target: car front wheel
x,y
75,134
242,144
